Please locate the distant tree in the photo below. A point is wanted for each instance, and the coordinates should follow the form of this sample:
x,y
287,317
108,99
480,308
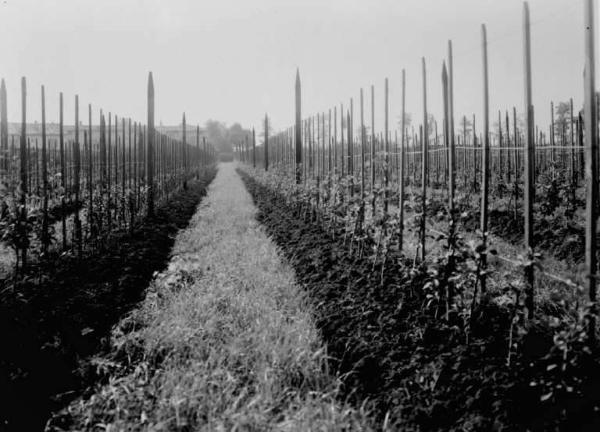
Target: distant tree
x,y
216,134
407,120
261,130
465,127
236,133
223,137
431,122
562,117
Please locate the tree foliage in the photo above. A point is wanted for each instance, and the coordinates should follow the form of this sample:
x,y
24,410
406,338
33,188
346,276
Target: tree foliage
x,y
224,137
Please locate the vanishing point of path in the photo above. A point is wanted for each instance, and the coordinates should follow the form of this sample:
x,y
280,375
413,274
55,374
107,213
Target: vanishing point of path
x,y
223,341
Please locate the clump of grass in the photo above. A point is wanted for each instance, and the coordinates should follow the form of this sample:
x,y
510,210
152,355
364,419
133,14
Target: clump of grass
x,y
223,341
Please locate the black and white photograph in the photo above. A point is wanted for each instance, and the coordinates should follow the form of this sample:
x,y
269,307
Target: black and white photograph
x,y
299,215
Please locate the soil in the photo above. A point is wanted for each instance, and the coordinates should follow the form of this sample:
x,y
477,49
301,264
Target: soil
x,y
61,313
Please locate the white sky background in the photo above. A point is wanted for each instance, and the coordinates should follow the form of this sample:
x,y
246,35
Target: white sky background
x,y
235,60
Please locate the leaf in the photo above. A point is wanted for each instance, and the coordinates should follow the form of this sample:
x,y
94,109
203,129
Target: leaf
x,y
86,331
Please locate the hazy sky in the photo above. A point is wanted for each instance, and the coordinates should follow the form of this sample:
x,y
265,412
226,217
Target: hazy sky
x,y
235,60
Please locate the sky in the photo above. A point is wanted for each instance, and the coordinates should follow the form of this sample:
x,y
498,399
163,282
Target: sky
x,y
236,60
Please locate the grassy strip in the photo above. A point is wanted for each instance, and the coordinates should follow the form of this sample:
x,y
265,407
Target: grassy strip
x,y
223,341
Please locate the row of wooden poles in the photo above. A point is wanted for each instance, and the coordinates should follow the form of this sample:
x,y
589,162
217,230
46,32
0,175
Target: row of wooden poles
x,y
115,176
326,156
516,155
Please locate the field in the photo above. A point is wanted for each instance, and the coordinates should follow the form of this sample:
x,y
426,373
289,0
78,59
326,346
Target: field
x,y
476,366
429,274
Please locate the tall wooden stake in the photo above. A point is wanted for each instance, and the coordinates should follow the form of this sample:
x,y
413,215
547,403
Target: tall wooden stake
x,y
485,160
424,162
63,215
253,148
401,173
298,129
150,148
45,237
573,156
3,130
447,139
387,149
373,150
591,169
23,168
451,143
362,147
266,143
77,181
529,192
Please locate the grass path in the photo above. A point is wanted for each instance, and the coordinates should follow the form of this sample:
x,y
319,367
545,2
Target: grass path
x,y
223,341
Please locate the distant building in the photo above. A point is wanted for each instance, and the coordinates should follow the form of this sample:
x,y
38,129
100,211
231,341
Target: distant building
x,y
176,132
34,131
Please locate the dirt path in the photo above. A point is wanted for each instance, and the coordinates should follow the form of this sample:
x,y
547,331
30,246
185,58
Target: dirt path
x,y
223,341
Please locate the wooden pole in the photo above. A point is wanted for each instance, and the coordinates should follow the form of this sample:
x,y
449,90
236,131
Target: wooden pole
x,y
88,144
451,142
298,129
509,153
500,152
485,160
424,162
150,148
197,156
310,148
3,129
591,169
108,173
253,148
552,138
23,157
448,139
183,153
102,167
387,149
529,191
63,215
517,158
373,149
323,144
580,145
116,163
330,142
266,143
136,168
343,161
335,149
474,145
401,173
77,180
350,156
362,148
45,239
573,156
123,165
